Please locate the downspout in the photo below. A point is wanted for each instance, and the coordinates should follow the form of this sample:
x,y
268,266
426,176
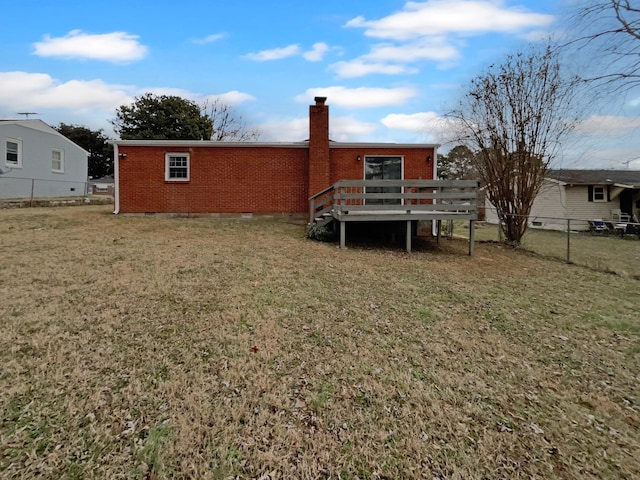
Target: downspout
x,y
435,163
116,180
434,228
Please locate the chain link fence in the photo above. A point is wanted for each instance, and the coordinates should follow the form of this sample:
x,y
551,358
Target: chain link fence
x,y
31,192
609,247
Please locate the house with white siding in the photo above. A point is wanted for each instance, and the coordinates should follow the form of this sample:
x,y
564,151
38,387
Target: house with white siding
x,y
583,196
37,161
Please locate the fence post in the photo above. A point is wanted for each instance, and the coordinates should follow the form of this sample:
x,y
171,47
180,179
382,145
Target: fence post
x,y
472,234
31,199
568,240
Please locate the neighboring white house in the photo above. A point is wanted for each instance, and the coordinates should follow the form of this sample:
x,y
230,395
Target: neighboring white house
x,y
37,161
582,195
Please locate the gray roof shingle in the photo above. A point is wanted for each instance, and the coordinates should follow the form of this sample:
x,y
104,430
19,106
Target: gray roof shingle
x,y
596,177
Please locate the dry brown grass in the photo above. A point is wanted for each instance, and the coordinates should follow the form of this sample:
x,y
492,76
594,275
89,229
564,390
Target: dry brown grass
x,y
607,253
141,347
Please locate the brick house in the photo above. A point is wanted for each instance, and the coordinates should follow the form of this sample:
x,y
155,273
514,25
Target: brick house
x,y
178,176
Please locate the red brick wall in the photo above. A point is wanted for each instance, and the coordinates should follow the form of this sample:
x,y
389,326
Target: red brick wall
x,y
345,165
222,179
242,179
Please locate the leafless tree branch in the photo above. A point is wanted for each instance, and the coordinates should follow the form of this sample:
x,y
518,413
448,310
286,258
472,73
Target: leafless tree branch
x,y
610,31
514,116
227,124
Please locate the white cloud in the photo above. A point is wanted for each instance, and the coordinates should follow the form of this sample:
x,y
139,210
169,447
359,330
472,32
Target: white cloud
x,y
209,38
415,122
599,154
232,97
387,59
436,17
435,48
421,122
296,130
359,68
432,31
22,90
342,129
608,125
317,52
363,97
348,129
274,54
112,47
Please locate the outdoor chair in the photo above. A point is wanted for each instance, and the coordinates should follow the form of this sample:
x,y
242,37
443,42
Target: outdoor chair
x,y
633,227
598,226
618,216
615,228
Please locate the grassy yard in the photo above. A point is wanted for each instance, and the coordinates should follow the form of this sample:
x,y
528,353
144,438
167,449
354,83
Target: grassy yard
x,y
156,348
607,253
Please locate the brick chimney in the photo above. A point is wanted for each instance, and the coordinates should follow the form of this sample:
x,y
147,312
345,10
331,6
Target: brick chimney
x,y
319,168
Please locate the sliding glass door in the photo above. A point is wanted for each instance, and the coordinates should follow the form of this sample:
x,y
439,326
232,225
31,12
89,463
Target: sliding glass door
x,y
383,168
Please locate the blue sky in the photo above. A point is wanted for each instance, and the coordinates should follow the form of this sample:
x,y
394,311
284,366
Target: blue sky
x,y
389,68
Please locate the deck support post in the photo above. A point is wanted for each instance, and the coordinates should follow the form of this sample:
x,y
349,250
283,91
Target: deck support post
x,y
414,200
472,236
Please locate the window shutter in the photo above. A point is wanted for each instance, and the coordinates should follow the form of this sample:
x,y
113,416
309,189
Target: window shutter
x,y
608,193
591,193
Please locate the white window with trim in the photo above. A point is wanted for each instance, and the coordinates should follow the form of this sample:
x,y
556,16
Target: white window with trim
x,y
13,155
176,167
57,160
598,193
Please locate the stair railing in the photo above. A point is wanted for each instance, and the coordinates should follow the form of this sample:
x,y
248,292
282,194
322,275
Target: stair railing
x,y
321,203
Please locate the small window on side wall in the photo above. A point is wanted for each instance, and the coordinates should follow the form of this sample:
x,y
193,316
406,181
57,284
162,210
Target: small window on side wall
x,y
57,161
176,167
13,150
598,193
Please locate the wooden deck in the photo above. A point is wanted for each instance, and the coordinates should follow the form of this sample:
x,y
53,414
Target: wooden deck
x,y
396,201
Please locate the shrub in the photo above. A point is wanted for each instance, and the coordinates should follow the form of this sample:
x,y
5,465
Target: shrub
x,y
322,233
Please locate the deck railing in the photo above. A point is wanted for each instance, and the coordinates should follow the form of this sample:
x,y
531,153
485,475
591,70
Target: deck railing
x,y
363,200
321,203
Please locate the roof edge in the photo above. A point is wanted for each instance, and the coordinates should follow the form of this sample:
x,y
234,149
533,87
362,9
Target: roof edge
x,y
303,144
203,143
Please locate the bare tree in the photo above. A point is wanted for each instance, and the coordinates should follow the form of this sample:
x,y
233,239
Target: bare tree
x,y
228,125
515,116
608,31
